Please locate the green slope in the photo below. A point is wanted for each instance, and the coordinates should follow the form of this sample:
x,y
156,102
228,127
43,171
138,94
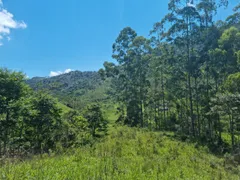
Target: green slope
x,y
127,154
75,89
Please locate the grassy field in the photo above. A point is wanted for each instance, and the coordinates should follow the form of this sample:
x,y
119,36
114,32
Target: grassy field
x,y
125,153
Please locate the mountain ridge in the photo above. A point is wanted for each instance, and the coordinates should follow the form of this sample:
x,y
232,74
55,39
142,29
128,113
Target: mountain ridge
x,y
74,89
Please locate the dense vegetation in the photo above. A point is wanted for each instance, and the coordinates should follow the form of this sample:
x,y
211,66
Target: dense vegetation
x,y
127,153
185,78
74,89
168,106
34,122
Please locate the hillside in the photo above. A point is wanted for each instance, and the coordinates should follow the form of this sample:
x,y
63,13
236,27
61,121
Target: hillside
x,y
165,106
127,153
67,82
75,89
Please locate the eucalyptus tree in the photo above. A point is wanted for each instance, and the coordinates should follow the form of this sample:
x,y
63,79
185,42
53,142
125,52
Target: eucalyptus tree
x,y
227,107
218,67
141,53
162,72
184,21
123,80
133,55
224,58
234,19
208,40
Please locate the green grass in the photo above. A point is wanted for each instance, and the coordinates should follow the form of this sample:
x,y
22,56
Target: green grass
x,y
126,153
63,107
109,112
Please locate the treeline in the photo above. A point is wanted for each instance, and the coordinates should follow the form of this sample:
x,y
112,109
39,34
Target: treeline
x,y
185,77
34,122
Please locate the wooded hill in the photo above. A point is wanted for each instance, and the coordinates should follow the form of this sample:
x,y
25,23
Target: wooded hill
x,y
75,89
184,77
183,80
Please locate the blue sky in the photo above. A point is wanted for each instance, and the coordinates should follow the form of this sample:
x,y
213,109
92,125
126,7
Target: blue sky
x,y
52,35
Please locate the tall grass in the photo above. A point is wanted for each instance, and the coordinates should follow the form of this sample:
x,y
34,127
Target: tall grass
x,y
126,153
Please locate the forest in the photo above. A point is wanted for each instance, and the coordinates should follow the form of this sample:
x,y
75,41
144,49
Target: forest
x,y
184,78
166,107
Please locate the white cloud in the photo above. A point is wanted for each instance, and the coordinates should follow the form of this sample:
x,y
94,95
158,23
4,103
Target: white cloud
x,y
68,70
7,22
190,4
57,73
53,73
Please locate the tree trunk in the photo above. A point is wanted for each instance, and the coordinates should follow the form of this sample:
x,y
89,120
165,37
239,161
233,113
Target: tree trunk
x,y
163,97
232,130
0,145
220,129
198,114
155,102
6,133
189,80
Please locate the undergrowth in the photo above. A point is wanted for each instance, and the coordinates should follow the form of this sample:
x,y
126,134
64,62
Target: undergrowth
x,y
126,153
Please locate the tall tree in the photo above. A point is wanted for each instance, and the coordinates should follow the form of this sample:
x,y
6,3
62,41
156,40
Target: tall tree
x,y
12,89
44,122
96,122
185,19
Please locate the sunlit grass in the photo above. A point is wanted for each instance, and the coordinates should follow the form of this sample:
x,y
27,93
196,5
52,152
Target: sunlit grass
x,y
126,154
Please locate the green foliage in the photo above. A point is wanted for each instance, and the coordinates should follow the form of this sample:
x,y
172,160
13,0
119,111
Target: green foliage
x,y
184,79
12,90
74,89
167,82
127,153
96,122
230,39
44,123
130,79
232,84
35,122
75,130
227,106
